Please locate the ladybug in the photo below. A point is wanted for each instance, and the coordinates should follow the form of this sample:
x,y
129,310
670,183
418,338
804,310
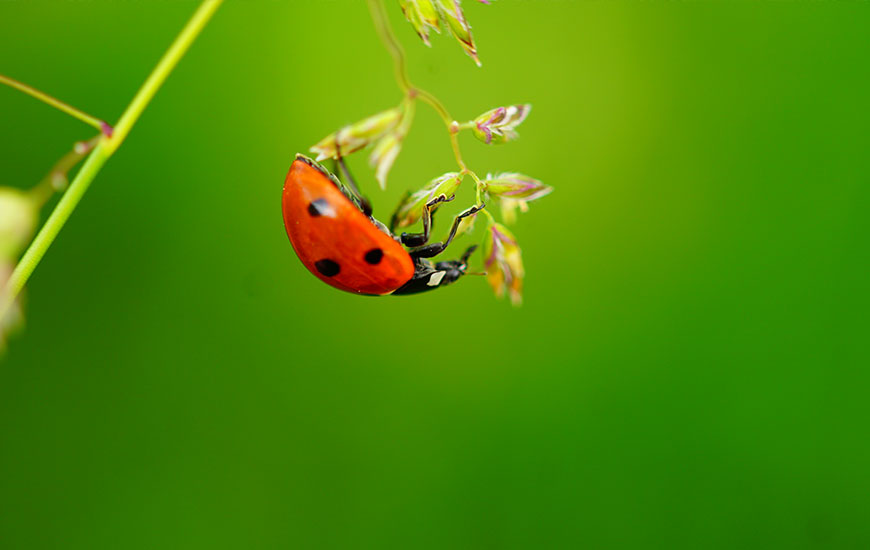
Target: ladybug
x,y
333,232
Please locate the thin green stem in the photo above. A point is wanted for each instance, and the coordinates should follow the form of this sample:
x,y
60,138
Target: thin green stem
x,y
436,104
56,179
165,66
480,188
102,152
53,225
57,104
452,126
385,31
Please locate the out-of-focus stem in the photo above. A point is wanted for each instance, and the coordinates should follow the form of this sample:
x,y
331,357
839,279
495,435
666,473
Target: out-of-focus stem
x,y
385,31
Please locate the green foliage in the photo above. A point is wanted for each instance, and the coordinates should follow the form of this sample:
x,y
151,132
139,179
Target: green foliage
x,y
688,369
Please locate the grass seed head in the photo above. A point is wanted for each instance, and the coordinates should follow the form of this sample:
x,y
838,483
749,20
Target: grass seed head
x,y
503,261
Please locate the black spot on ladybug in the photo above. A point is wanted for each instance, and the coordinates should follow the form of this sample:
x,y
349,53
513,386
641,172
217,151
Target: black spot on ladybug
x,y
327,267
320,207
374,256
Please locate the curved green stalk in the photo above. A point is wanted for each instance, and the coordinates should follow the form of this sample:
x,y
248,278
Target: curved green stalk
x,y
385,31
102,152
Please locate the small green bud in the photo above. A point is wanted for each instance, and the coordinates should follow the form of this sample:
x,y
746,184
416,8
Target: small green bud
x,y
411,208
514,185
503,261
18,216
466,225
423,16
13,318
358,135
498,125
514,191
453,16
19,213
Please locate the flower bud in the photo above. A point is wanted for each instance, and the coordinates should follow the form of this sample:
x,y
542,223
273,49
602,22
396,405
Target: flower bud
x,y
422,15
357,135
509,209
497,126
513,185
503,261
411,208
387,148
12,319
18,217
466,225
451,12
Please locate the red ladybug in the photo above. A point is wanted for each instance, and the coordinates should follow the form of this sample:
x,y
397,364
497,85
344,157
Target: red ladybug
x,y
332,231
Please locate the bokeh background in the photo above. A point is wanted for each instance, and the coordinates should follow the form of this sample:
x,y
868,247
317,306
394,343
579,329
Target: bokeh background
x,y
689,369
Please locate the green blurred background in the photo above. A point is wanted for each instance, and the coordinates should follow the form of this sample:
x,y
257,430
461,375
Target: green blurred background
x,y
689,369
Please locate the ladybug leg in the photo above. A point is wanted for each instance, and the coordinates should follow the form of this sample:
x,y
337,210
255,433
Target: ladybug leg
x,y
419,239
434,249
468,253
351,183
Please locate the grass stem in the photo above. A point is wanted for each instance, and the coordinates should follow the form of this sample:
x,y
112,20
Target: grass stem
x,y
104,149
